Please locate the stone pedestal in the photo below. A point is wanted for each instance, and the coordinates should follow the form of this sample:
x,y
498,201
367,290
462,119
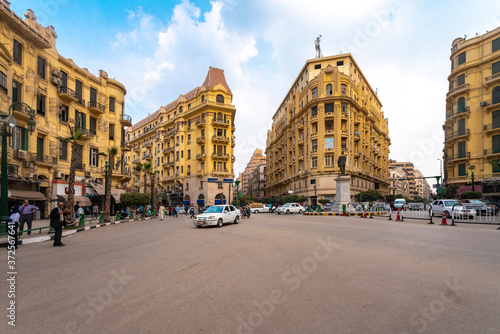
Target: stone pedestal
x,y
343,194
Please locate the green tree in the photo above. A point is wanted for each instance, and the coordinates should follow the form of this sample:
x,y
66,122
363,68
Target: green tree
x,y
134,199
323,201
73,138
472,195
450,191
367,196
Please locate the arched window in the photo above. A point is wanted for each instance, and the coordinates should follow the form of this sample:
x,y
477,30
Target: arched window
x,y
329,89
219,116
219,99
461,105
201,196
495,95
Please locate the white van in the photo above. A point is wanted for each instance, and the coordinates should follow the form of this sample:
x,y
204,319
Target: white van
x,y
399,203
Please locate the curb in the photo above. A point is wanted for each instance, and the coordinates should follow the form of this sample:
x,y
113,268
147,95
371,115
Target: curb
x,y
341,214
70,232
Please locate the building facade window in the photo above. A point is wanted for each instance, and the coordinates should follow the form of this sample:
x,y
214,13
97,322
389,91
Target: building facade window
x,y
40,69
495,45
496,166
93,125
18,53
328,107
462,58
111,132
219,98
80,120
495,95
314,162
461,149
40,105
314,145
495,119
461,80
112,105
3,83
328,143
495,68
16,91
343,89
63,113
328,161
63,150
495,143
461,105
79,91
20,139
329,90
462,170
314,111
344,108
94,157
314,92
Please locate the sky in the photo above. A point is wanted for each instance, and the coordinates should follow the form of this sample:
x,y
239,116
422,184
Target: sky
x,y
161,49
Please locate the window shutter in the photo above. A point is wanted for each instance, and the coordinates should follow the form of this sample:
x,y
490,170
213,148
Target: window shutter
x,y
495,117
24,140
496,143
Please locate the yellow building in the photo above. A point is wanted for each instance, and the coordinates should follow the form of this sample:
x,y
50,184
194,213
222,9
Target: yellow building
x,y
472,127
190,144
330,109
60,94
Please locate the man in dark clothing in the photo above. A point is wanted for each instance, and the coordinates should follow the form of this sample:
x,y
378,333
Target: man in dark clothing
x,y
341,163
57,221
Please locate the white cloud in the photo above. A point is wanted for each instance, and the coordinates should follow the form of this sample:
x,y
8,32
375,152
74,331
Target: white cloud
x,y
137,37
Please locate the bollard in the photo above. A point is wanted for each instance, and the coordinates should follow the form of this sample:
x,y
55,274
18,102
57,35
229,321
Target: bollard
x,y
117,217
101,218
402,215
82,221
452,219
390,214
131,214
430,221
344,209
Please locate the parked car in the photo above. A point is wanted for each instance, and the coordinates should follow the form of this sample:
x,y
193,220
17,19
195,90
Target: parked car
x,y
218,215
290,208
328,206
444,207
481,207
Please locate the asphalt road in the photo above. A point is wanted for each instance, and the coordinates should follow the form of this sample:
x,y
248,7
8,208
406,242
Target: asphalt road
x,y
268,274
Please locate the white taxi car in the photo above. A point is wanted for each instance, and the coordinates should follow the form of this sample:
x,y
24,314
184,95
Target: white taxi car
x,y
218,215
290,208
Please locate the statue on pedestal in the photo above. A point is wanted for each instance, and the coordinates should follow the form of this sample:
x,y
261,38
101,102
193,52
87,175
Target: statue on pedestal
x,y
341,163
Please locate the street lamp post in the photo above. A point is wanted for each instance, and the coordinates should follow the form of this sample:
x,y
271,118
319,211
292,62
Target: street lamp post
x,y
439,190
106,167
151,177
7,123
237,192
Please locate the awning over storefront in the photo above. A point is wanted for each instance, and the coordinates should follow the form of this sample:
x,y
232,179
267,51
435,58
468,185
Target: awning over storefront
x,y
84,201
26,194
115,192
99,188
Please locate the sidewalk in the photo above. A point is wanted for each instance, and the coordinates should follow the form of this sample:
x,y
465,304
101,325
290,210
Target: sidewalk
x,y
44,235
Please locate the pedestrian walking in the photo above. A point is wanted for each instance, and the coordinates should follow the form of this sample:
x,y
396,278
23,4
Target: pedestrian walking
x,y
177,209
57,223
95,211
170,211
26,215
13,225
162,211
191,211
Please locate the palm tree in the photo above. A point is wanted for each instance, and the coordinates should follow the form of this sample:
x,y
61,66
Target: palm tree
x,y
73,139
153,181
112,152
146,168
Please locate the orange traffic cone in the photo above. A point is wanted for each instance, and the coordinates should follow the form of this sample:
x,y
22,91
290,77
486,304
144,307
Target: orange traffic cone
x,y
398,217
443,220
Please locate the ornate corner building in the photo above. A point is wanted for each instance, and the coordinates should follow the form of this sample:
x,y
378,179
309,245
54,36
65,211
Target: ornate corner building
x,y
329,110
472,126
60,94
189,143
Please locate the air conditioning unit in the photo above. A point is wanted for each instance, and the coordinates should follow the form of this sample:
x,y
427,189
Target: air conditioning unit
x,y
88,174
22,154
32,175
29,164
483,104
59,175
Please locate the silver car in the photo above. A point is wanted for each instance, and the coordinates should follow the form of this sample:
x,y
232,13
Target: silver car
x,y
444,207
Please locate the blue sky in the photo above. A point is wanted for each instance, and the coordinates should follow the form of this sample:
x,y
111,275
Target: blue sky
x,y
160,49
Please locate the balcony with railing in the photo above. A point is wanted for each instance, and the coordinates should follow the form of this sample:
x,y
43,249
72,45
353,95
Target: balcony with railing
x,y
457,134
463,110
86,133
220,156
200,122
148,144
220,139
148,157
126,120
80,101
67,94
201,156
219,171
491,152
490,105
125,147
96,107
45,160
220,122
457,90
458,156
491,128
200,139
492,79
22,111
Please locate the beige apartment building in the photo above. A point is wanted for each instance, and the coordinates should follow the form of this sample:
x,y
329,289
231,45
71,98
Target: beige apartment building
x,y
409,169
255,160
330,110
472,126
190,144
257,181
